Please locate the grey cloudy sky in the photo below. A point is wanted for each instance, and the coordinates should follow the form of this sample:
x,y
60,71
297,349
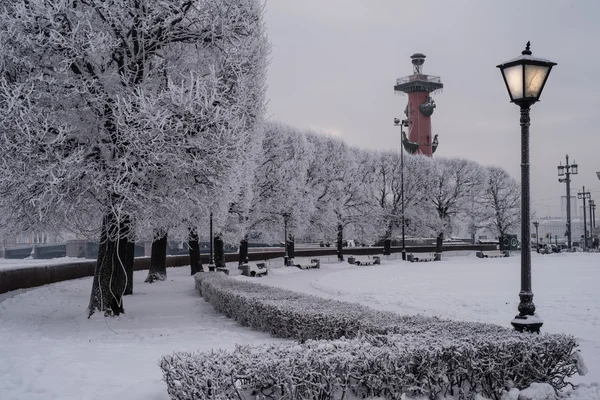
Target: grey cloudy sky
x,y
334,64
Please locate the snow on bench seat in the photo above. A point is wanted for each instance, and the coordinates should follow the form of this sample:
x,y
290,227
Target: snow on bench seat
x,y
424,257
365,260
314,263
491,254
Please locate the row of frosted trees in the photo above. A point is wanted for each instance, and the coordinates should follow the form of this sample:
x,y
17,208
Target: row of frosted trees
x,y
326,189
129,120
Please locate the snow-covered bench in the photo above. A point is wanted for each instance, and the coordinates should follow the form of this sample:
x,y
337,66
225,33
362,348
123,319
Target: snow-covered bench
x,y
365,260
424,257
492,254
314,263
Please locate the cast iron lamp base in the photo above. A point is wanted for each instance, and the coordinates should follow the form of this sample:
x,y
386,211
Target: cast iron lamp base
x,y
527,323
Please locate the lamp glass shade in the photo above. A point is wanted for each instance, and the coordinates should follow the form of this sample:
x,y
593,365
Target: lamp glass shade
x,y
561,170
514,81
535,77
574,169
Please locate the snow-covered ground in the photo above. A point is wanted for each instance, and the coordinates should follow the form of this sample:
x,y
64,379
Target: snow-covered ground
x,y
49,350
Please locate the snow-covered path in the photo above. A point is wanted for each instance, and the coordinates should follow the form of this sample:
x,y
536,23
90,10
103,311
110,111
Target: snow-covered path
x,y
463,287
50,350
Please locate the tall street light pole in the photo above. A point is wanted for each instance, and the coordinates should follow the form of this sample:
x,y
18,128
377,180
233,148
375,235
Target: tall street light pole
x,y
211,260
582,196
402,124
537,237
591,205
525,78
567,170
285,239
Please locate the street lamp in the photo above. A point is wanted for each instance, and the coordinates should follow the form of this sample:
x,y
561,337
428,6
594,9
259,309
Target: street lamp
x,y
582,196
402,124
567,170
525,78
211,260
591,206
537,237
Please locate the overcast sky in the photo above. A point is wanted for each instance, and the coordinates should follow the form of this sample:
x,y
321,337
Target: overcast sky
x,y
334,64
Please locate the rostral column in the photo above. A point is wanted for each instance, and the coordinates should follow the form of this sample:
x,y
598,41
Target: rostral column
x,y
419,88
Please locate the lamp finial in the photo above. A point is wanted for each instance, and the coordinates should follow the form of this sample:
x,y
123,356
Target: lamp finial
x,y
527,52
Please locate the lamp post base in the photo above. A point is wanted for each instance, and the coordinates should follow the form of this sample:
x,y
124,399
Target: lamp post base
x,y
527,323
212,267
403,254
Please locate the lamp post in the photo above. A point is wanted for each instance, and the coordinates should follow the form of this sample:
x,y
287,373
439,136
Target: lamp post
x,y
525,78
582,196
402,124
537,237
591,206
211,260
593,213
567,170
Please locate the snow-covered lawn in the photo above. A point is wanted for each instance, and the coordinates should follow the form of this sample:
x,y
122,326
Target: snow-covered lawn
x,y
49,350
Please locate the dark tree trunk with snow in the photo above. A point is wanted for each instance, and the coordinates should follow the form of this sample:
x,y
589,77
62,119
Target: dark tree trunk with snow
x,y
387,247
195,262
290,246
158,260
243,251
439,242
110,277
387,242
129,266
219,252
340,239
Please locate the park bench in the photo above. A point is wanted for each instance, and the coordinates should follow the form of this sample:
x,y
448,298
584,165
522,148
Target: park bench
x,y
492,254
314,263
364,260
424,257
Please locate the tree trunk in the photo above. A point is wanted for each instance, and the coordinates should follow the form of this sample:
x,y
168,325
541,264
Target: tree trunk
x,y
439,242
243,251
158,260
219,252
340,238
129,266
110,276
290,246
387,242
195,262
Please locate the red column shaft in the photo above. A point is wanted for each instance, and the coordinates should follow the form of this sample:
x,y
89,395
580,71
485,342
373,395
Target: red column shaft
x,y
419,128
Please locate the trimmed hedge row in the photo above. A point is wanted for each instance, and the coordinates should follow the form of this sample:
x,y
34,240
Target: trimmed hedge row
x,y
360,352
386,367
287,314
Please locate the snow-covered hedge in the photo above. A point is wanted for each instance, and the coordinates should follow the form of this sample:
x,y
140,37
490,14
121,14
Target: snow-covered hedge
x,y
347,350
287,314
383,366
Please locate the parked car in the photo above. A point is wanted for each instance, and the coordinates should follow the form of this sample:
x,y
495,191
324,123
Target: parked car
x,y
324,243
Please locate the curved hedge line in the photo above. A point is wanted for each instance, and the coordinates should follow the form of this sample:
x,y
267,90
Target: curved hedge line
x,y
349,349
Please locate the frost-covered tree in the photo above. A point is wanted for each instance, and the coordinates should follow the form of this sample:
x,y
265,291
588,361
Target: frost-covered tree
x,y
278,189
453,184
104,102
500,202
